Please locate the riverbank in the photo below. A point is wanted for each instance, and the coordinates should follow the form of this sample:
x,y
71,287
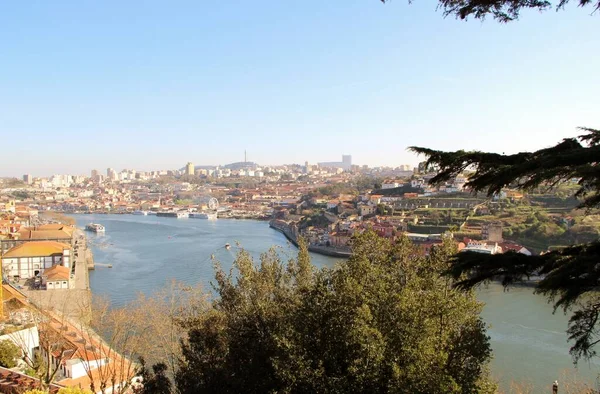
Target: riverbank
x,y
283,228
286,230
76,301
529,341
234,214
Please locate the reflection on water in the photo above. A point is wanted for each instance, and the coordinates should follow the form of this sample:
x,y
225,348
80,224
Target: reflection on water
x,y
529,342
148,251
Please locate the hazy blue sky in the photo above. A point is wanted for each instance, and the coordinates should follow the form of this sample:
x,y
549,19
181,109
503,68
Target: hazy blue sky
x,y
154,84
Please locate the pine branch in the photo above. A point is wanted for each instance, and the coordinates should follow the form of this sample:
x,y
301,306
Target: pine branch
x,y
493,172
503,11
571,276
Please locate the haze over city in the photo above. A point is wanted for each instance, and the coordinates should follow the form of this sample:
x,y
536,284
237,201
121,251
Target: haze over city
x,y
152,86
342,196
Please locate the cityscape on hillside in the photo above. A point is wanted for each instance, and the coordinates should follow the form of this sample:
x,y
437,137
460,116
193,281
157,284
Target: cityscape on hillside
x,y
326,203
46,259
305,197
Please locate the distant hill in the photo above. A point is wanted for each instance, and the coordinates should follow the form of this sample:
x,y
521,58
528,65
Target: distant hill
x,y
232,166
241,164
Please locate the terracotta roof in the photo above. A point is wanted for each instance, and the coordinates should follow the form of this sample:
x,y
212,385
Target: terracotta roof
x,y
14,382
120,368
44,234
37,249
57,272
9,292
56,226
86,346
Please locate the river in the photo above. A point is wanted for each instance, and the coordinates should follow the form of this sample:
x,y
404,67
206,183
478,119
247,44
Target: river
x,y
146,252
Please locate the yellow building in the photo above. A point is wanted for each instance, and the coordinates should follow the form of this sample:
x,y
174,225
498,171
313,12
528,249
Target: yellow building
x,y
189,168
32,258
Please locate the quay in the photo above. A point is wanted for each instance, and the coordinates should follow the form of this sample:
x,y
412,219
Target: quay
x,y
76,301
284,228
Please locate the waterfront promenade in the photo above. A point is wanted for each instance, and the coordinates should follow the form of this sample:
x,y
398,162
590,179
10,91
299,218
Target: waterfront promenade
x,y
291,235
75,302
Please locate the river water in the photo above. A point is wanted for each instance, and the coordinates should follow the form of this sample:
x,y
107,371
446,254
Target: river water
x,y
146,252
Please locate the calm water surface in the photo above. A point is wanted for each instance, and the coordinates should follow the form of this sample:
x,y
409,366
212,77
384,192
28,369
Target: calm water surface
x,y
147,252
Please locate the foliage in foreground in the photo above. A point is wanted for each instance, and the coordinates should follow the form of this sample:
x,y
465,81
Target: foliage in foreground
x,y
384,321
571,277
9,354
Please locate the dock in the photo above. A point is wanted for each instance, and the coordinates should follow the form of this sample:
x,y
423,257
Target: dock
x,y
285,229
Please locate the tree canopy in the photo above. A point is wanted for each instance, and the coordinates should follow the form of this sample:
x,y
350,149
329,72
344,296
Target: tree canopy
x,y
501,10
9,354
571,275
384,321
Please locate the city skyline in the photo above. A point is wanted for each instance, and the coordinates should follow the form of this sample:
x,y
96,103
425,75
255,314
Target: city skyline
x,y
85,87
111,172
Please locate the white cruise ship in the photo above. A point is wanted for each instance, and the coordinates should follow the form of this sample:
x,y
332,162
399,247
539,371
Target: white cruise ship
x,y
203,215
140,213
94,227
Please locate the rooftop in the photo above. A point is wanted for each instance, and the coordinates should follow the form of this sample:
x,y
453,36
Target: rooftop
x,y
37,249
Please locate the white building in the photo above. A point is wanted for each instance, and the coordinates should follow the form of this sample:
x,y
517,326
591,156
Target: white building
x,y
56,277
367,209
111,174
390,184
32,258
27,339
481,247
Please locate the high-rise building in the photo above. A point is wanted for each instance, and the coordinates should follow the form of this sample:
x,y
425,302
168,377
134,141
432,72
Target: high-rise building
x,y
189,168
345,164
347,161
112,174
94,174
28,179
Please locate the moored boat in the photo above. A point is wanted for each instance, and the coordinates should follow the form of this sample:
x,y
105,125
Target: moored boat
x,y
171,214
203,215
94,227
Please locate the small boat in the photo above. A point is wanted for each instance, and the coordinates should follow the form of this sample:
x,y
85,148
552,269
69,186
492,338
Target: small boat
x,y
140,213
227,246
94,227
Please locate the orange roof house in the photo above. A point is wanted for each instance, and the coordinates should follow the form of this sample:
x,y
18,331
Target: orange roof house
x,y
44,235
55,226
84,357
56,273
37,249
32,258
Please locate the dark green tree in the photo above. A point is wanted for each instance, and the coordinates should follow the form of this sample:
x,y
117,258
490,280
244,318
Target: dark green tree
x,y
571,276
385,321
9,354
155,381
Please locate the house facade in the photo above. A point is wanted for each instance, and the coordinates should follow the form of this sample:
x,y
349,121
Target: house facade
x,y
56,277
31,259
